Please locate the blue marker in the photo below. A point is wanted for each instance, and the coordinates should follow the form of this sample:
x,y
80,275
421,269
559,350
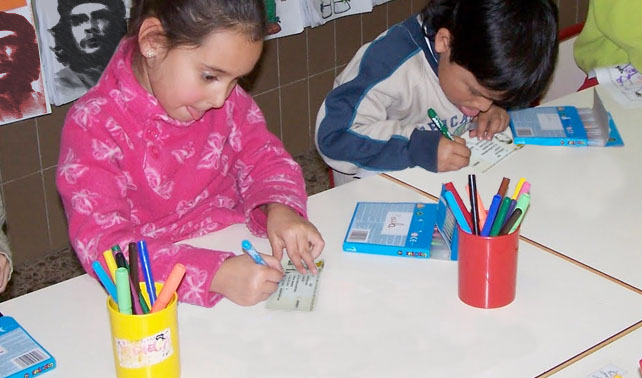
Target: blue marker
x,y
457,212
492,213
249,249
143,256
105,280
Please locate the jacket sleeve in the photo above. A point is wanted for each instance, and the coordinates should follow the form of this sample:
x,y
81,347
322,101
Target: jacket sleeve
x,y
354,123
369,139
265,172
91,185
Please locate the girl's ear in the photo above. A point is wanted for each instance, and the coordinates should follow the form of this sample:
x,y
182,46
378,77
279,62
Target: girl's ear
x,y
150,37
442,40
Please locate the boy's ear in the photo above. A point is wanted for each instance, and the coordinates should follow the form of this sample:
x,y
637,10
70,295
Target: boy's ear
x,y
150,37
442,40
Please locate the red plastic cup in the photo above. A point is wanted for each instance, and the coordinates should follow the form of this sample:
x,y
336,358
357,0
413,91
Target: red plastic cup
x,y
487,269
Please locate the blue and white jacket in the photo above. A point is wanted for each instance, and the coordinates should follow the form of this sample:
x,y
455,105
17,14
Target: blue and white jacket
x,y
375,118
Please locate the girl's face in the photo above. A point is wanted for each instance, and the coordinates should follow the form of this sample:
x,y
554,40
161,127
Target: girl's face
x,y
460,85
189,81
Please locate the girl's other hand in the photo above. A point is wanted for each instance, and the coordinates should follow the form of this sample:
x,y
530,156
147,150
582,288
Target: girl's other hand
x,y
287,229
245,282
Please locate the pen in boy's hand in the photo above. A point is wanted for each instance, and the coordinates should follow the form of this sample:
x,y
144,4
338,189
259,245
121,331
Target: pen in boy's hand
x,y
248,248
437,121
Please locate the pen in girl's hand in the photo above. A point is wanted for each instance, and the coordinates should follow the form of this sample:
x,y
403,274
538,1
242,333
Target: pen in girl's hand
x,y
249,249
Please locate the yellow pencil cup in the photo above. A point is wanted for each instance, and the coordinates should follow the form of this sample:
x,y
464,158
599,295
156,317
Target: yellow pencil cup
x,y
145,346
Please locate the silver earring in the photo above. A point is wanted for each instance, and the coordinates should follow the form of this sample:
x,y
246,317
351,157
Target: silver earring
x,y
149,54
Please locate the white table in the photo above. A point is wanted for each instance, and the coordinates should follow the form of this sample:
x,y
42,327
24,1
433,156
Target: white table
x,y
376,316
620,356
585,201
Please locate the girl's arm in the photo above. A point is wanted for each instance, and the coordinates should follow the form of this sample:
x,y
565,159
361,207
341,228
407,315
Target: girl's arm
x,y
94,190
272,187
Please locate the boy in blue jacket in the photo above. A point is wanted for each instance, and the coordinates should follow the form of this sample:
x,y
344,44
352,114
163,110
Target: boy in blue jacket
x,y
468,60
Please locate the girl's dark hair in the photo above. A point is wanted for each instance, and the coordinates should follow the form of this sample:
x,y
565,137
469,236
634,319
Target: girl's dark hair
x,y
508,45
188,22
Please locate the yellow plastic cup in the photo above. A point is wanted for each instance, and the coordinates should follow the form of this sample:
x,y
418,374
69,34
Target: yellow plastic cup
x,y
145,346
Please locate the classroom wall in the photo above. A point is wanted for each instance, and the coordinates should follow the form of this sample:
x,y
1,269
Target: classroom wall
x,y
289,85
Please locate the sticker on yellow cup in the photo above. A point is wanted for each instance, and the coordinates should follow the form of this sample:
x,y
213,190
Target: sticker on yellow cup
x,y
146,346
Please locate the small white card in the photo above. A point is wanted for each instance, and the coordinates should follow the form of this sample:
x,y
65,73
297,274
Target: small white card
x,y
296,292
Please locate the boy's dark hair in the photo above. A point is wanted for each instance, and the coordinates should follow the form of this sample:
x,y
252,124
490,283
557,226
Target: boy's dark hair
x,y
509,46
188,22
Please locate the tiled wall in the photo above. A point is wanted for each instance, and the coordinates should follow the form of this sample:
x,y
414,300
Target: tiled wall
x,y
289,85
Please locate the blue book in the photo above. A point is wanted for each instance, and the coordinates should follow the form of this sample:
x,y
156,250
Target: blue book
x,y
565,126
392,228
21,356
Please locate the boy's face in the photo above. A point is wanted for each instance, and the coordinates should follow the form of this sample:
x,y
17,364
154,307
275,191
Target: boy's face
x,y
190,81
459,85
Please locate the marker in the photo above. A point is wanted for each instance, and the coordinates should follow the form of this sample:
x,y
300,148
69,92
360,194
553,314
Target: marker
x,y
133,274
508,225
472,183
457,213
120,260
111,263
526,188
522,203
122,288
481,210
451,188
511,209
119,257
501,215
503,187
146,267
492,213
105,280
169,287
437,121
518,187
248,248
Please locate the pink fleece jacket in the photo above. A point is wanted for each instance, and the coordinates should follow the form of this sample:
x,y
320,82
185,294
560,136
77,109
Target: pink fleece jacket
x,y
127,171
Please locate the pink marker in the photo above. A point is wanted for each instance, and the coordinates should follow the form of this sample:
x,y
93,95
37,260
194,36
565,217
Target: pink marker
x,y
526,188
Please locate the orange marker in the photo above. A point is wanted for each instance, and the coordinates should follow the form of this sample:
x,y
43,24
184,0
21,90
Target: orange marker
x,y
169,288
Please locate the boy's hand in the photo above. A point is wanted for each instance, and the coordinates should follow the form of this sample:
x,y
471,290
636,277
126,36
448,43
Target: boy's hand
x,y
245,282
490,122
452,155
287,229
5,268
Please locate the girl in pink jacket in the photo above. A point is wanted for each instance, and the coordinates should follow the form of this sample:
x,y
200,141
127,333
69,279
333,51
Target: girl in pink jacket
x,y
168,147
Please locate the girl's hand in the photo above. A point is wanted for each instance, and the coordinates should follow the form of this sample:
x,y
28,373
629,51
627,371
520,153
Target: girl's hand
x,y
287,229
493,121
245,282
452,154
5,268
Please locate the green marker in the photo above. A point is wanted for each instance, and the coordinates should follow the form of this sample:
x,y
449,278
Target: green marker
x,y
501,216
522,203
122,290
437,121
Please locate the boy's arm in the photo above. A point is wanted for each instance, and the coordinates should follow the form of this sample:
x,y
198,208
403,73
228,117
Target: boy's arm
x,y
353,125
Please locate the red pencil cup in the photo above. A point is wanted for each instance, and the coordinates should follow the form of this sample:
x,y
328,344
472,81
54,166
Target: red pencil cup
x,y
487,269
